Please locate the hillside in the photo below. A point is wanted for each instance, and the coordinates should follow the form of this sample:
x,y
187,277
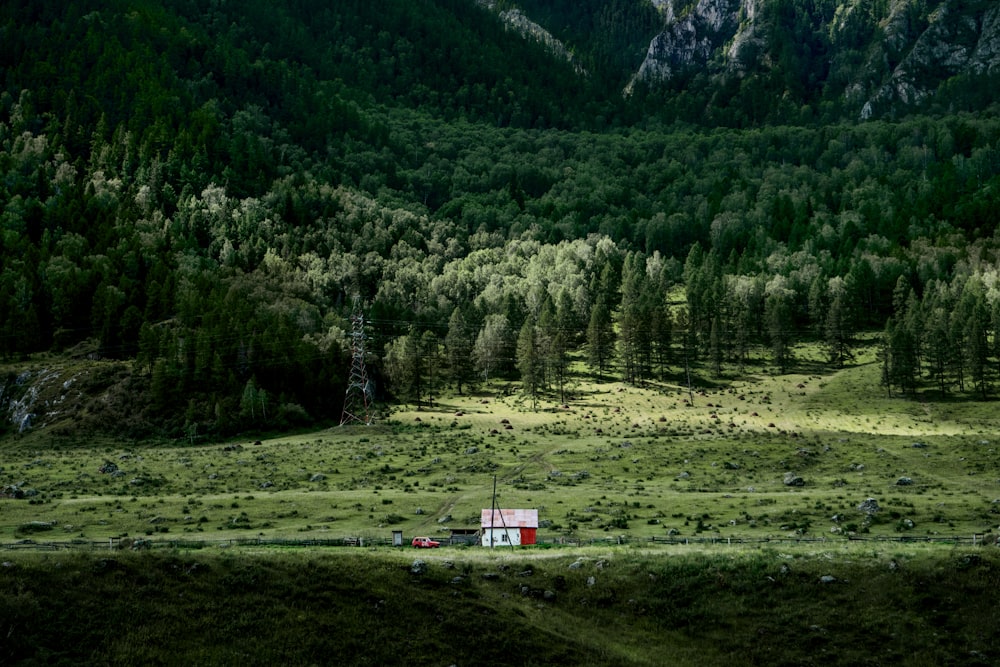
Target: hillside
x,y
195,196
747,61
590,607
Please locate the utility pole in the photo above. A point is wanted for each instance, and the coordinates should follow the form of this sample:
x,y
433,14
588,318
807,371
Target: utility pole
x,y
358,399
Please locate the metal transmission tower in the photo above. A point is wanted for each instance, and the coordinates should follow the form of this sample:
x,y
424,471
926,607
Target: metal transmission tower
x,y
358,399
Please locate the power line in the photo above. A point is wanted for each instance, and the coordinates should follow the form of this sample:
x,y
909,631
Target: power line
x,y
357,400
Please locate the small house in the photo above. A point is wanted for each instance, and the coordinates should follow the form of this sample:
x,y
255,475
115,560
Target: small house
x,y
508,527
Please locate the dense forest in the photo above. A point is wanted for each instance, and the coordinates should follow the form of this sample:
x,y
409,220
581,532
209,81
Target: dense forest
x,y
204,188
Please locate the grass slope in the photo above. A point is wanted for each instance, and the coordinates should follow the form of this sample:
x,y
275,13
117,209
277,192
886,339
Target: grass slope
x,y
617,461
616,606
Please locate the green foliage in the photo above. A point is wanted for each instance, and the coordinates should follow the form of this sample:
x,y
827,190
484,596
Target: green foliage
x,y
203,190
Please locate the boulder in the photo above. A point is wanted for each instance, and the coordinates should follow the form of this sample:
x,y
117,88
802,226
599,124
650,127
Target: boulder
x,y
791,479
869,506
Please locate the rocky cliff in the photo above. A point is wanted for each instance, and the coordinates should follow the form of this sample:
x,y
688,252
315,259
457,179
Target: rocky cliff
x,y
958,38
877,57
908,47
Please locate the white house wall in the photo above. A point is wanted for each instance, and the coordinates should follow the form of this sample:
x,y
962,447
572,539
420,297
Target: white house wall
x,y
513,537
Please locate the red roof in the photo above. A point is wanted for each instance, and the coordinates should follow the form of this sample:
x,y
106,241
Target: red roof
x,y
509,518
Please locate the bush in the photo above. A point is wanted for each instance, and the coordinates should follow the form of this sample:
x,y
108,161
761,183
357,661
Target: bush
x,y
33,527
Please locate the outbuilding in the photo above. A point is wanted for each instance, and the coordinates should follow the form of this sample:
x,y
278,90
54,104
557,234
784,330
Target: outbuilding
x,y
508,527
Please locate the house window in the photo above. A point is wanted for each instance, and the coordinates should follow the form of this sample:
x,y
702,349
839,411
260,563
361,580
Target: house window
x,y
504,538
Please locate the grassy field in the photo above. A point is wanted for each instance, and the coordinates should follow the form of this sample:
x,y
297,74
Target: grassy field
x,y
609,470
615,462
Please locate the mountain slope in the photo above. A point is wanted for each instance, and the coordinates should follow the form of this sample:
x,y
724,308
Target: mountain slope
x,y
875,57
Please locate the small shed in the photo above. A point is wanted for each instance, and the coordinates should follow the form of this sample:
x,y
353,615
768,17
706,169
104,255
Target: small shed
x,y
508,527
464,536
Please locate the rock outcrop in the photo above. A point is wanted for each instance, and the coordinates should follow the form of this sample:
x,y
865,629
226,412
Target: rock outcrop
x,y
904,55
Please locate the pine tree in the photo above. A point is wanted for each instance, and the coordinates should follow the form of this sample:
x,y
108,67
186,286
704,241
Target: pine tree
x,y
529,362
459,344
600,339
778,314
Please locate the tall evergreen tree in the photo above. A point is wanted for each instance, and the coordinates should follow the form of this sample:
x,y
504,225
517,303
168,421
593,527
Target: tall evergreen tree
x,y
839,331
529,362
600,339
459,344
430,354
634,324
778,314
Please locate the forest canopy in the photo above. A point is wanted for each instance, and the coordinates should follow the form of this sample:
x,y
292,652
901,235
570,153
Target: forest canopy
x,y
203,189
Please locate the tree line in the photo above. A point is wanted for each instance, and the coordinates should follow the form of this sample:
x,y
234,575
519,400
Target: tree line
x,y
215,229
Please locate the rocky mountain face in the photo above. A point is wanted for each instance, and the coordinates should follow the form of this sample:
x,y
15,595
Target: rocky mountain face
x,y
877,57
959,38
693,39
904,49
517,20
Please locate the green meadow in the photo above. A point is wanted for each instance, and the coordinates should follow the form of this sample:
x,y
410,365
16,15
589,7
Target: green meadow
x,y
763,457
709,525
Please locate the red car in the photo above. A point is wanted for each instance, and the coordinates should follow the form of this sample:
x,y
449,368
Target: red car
x,y
424,543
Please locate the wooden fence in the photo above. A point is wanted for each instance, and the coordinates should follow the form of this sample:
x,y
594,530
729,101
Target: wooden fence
x,y
137,544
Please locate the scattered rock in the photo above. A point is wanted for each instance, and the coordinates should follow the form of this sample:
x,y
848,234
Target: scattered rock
x,y
869,506
418,567
12,491
828,579
318,477
904,481
791,479
576,565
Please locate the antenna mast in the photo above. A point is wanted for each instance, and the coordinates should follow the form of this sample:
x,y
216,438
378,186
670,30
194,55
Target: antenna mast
x,y
358,399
